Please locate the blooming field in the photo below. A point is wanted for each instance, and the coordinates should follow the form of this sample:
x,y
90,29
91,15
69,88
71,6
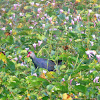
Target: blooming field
x,y
68,30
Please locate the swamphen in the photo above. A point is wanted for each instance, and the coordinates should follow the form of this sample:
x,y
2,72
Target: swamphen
x,y
42,63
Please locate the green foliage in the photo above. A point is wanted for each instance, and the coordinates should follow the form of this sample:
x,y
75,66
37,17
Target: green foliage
x,y
61,29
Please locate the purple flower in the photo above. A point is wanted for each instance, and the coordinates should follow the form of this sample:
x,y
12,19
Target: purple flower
x,y
98,57
96,79
27,49
20,56
90,53
40,42
22,64
34,45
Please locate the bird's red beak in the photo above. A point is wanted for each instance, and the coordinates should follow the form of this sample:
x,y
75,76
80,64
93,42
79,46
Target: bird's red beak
x,y
29,54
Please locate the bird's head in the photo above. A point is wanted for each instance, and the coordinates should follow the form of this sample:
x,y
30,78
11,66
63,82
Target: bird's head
x,y
31,54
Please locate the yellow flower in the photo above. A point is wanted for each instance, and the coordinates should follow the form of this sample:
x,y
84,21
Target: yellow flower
x,y
77,0
66,97
3,57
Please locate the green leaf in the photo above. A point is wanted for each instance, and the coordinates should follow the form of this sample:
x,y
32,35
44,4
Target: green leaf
x,y
49,87
1,63
97,67
80,88
10,65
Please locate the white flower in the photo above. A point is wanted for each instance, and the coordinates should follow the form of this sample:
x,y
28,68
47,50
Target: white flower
x,y
96,79
90,53
98,57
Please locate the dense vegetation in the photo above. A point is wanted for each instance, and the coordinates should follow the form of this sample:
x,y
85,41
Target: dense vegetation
x,y
68,30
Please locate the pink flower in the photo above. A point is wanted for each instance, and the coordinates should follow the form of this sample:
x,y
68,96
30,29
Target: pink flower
x,y
32,3
3,9
61,10
71,81
93,36
10,17
50,19
43,25
34,45
27,49
35,23
10,31
77,83
16,58
72,22
31,27
15,6
53,4
21,14
96,79
42,18
90,53
92,43
44,71
67,18
3,28
94,24
45,15
89,10
14,15
98,57
39,10
75,19
40,42
70,39
63,79
34,74
70,28
37,4
37,15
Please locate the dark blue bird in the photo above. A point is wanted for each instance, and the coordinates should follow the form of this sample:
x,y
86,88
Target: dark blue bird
x,y
42,63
